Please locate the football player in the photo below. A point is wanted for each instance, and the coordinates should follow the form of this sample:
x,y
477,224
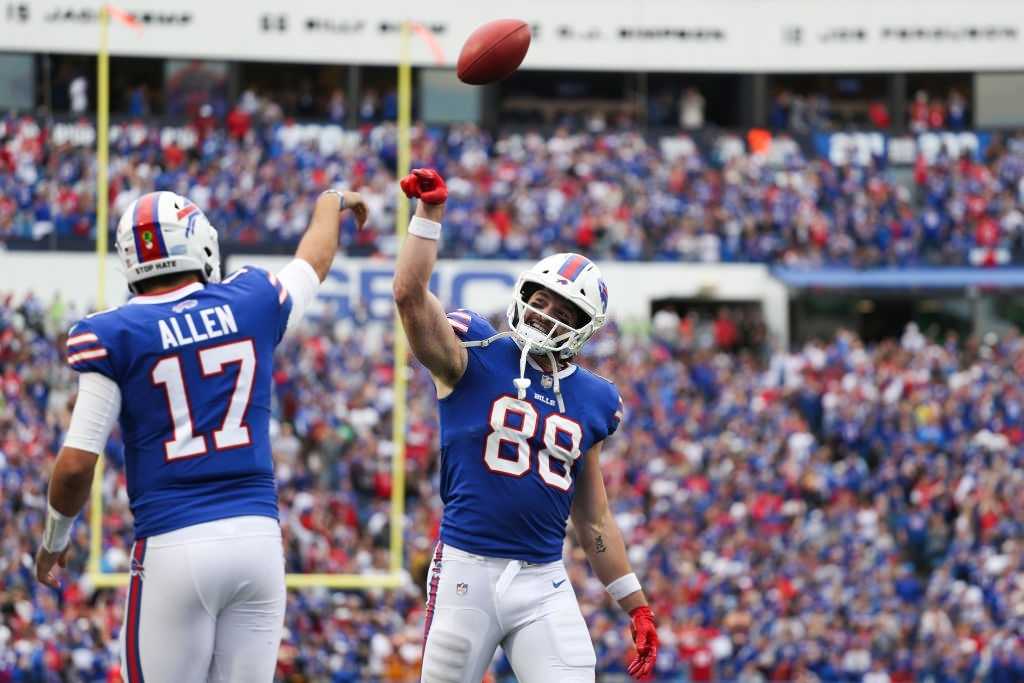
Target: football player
x,y
185,366
522,429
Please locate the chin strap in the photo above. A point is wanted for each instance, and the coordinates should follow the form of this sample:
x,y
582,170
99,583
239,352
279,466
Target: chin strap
x,y
485,342
522,382
558,386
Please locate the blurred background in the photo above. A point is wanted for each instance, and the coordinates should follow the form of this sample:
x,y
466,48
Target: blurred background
x,y
811,219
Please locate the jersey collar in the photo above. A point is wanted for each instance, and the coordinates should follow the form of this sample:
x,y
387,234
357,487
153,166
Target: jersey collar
x,y
562,374
173,295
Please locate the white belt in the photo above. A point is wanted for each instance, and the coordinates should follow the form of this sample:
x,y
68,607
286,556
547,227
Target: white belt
x,y
507,575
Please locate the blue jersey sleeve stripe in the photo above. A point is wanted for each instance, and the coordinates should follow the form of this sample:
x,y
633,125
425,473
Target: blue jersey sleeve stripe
x,y
469,325
458,325
87,355
83,338
460,320
282,293
85,348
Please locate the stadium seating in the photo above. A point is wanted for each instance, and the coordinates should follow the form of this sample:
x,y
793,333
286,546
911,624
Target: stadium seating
x,y
613,194
828,514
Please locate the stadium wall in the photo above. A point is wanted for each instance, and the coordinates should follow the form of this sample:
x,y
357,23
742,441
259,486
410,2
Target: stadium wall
x,y
72,276
483,286
643,35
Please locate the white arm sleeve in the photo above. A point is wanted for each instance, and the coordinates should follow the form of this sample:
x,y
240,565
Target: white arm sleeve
x,y
96,410
301,282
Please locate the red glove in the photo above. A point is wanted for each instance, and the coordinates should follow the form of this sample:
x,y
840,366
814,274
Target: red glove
x,y
645,637
425,184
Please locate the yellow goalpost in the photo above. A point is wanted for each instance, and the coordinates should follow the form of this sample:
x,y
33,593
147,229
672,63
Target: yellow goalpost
x,y
394,576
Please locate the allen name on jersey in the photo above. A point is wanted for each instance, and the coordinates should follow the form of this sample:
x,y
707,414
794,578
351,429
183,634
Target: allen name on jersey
x,y
183,329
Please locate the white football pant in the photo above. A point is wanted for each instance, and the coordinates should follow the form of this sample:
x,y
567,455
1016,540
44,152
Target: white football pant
x,y
205,603
476,603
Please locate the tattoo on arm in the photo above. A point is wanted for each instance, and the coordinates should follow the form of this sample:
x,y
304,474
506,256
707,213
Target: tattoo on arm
x,y
599,545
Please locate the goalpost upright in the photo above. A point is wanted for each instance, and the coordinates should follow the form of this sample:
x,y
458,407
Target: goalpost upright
x,y
102,226
393,577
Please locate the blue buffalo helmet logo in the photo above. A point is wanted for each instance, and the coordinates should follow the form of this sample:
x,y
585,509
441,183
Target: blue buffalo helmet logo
x,y
602,289
192,213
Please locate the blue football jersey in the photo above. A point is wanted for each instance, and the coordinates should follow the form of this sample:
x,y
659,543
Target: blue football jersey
x,y
506,481
194,368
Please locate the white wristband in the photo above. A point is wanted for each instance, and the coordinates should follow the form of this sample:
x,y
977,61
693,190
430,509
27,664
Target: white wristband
x,y
623,586
425,228
341,197
57,532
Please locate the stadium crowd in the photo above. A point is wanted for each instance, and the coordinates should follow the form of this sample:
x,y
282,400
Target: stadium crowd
x,y
612,193
836,513
807,111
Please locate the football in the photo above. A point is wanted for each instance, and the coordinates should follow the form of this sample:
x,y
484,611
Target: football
x,y
493,51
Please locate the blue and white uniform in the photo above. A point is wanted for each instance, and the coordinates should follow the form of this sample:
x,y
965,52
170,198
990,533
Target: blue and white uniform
x,y
195,367
187,374
509,467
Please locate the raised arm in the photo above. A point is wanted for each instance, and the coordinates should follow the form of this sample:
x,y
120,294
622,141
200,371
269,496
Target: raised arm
x,y
315,254
320,242
599,536
431,337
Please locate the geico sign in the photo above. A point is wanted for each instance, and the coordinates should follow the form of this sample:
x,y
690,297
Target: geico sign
x,y
370,290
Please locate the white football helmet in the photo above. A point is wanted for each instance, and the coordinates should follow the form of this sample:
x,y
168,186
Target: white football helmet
x,y
162,233
577,280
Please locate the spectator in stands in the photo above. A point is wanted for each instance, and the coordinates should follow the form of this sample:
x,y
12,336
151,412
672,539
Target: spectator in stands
x,y
918,112
778,115
239,122
78,94
936,114
336,108
691,109
956,107
138,101
369,106
878,115
608,189
880,538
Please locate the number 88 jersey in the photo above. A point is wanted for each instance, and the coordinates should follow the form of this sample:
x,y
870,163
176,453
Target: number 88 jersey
x,y
509,466
194,369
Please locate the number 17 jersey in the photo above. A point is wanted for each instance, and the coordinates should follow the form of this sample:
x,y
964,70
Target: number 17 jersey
x,y
194,368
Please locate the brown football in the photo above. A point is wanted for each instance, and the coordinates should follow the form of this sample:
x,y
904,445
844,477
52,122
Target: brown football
x,y
493,51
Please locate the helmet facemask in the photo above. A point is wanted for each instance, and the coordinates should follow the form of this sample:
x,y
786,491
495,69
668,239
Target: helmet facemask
x,y
572,279
560,338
